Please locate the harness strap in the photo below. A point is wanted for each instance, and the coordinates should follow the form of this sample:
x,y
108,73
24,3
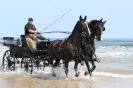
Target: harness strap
x,y
61,45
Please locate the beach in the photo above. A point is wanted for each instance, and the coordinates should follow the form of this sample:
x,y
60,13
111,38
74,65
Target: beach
x,y
114,71
27,81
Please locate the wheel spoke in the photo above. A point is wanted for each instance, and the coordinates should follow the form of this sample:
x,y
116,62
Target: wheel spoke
x,y
5,60
8,53
5,64
7,57
8,61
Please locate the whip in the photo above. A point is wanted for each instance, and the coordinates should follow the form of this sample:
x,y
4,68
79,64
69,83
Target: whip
x,y
56,20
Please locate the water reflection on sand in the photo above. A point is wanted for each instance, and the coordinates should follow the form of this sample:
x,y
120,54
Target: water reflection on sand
x,y
22,81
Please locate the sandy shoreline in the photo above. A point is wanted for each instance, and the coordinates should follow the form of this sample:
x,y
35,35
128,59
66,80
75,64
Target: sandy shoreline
x,y
21,80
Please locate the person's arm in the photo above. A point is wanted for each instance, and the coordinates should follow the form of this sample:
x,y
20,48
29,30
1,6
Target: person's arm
x,y
32,31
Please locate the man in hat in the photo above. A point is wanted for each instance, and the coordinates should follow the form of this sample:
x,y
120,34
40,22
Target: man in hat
x,y
30,35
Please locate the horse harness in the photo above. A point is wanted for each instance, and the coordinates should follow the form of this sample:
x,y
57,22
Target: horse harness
x,y
74,48
90,48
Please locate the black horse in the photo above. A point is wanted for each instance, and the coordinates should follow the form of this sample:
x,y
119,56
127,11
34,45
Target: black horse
x,y
70,48
88,45
96,28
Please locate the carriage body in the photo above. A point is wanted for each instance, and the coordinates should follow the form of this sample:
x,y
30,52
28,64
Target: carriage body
x,y
19,51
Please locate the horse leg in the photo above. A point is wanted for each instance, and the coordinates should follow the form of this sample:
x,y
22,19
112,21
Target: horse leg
x,y
50,61
54,67
57,61
81,65
76,69
93,59
80,68
88,66
66,68
93,66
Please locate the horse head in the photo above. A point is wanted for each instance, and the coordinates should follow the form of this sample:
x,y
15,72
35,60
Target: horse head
x,y
97,28
83,25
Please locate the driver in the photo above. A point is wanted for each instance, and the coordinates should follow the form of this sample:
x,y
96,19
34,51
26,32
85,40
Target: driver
x,y
30,35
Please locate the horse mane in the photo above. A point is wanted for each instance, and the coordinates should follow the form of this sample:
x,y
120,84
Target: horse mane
x,y
75,29
93,22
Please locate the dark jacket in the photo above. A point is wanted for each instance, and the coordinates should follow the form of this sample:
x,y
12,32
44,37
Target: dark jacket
x,y
29,26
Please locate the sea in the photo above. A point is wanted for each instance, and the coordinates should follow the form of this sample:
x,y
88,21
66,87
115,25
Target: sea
x,y
115,70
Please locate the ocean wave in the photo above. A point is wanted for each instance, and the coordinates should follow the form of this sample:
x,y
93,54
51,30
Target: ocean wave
x,y
114,48
3,49
121,57
113,75
48,75
114,53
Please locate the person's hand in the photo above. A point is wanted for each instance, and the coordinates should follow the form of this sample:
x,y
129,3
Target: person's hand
x,y
38,32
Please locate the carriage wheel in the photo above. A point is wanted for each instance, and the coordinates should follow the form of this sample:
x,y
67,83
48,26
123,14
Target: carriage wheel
x,y
27,64
8,61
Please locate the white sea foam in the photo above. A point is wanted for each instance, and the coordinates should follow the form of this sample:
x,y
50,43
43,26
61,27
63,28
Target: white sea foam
x,y
59,75
114,49
122,53
113,75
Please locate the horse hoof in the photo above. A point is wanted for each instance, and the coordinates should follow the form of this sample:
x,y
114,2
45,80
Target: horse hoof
x,y
76,75
82,63
66,78
53,75
18,62
86,73
90,75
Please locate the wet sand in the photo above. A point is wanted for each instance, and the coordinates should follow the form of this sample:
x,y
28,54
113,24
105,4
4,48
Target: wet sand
x,y
22,80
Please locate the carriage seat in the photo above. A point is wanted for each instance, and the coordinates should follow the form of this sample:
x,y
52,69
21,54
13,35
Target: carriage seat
x,y
8,41
23,40
42,45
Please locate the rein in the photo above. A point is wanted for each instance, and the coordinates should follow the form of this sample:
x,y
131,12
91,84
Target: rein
x,y
65,32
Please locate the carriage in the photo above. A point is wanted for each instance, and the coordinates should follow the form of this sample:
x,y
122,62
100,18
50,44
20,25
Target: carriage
x,y
78,47
19,53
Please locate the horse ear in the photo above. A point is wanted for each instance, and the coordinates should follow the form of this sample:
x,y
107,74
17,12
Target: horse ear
x,y
80,17
101,20
104,22
85,18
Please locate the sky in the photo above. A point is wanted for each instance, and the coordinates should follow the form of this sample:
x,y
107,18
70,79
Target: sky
x,y
14,15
